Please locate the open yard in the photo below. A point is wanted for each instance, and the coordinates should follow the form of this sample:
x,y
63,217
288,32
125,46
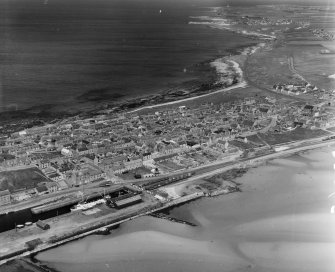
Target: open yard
x,y
21,179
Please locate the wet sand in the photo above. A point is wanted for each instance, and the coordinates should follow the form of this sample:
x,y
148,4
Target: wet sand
x,y
280,221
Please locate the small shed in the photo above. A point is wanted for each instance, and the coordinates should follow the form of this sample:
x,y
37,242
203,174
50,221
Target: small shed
x,y
32,244
42,225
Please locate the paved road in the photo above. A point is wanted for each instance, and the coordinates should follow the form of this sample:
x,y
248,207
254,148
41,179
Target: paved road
x,y
293,70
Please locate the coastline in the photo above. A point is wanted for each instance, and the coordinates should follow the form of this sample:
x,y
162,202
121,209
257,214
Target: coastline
x,y
242,84
91,104
82,232
233,79
51,111
237,63
256,220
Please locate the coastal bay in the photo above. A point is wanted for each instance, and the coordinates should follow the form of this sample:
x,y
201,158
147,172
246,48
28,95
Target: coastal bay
x,y
93,53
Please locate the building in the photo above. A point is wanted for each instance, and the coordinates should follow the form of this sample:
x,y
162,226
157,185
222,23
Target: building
x,y
52,187
42,225
20,195
4,197
129,201
42,190
66,152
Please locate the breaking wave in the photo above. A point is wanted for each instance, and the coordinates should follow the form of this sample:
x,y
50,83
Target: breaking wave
x,y
222,23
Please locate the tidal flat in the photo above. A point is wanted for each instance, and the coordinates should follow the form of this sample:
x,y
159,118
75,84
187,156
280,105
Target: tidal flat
x,y
281,221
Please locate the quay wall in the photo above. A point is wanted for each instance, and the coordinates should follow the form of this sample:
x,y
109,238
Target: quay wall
x,y
53,206
55,241
87,230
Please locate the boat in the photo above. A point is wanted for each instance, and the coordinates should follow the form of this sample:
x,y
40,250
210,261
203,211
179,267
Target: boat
x,y
100,201
88,205
20,226
332,209
78,207
28,224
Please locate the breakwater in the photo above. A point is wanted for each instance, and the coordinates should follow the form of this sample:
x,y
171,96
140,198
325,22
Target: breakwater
x,y
172,219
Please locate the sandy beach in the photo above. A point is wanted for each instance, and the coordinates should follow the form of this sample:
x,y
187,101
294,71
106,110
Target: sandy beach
x,y
222,66
242,84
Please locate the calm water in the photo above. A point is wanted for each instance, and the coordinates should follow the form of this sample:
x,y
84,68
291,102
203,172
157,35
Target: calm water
x,y
52,51
281,221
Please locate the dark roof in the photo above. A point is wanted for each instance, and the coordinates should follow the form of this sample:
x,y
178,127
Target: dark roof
x,y
83,148
263,109
54,175
128,200
298,123
308,107
164,157
42,188
248,123
4,193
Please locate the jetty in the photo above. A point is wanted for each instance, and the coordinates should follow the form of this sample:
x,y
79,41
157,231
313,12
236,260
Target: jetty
x,y
172,219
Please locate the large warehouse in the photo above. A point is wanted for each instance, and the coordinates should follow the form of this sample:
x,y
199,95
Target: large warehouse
x,y
122,203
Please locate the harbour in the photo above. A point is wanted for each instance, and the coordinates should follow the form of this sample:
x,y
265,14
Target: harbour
x,y
81,225
282,203
41,212
51,239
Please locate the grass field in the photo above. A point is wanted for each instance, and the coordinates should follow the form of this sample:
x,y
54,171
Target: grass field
x,y
295,135
314,66
266,68
21,179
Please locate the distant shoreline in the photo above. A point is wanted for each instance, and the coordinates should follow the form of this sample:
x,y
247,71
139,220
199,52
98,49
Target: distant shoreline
x,y
148,101
134,104
242,84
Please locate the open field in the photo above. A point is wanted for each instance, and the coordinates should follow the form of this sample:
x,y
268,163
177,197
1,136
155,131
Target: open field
x,y
266,68
21,179
293,63
294,135
314,66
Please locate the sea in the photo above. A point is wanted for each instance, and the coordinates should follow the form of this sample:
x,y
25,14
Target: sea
x,y
281,221
56,52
